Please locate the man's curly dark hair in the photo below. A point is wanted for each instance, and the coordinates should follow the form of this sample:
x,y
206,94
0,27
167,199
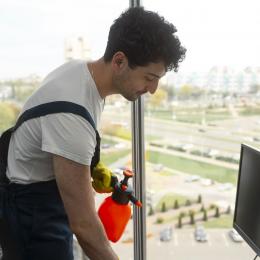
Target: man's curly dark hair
x,y
144,37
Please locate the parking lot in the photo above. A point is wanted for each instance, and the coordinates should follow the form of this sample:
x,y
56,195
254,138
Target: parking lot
x,y
183,246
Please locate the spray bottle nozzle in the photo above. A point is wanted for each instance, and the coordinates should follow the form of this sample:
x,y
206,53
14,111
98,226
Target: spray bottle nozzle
x,y
128,174
123,192
135,201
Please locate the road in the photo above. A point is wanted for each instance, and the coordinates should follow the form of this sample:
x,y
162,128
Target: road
x,y
225,136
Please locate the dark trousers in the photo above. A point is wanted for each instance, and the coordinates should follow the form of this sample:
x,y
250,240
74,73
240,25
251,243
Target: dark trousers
x,y
33,223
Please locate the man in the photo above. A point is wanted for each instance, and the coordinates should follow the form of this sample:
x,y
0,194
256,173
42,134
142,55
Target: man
x,y
50,156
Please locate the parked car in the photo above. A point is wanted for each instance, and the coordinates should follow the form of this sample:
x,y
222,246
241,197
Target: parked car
x,y
256,139
200,234
225,186
166,234
120,145
235,236
192,178
207,182
158,167
105,146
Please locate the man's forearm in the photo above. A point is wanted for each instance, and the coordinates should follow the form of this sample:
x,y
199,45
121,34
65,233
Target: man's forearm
x,y
93,241
74,182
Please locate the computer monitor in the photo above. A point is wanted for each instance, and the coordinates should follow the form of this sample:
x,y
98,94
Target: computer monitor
x,y
247,207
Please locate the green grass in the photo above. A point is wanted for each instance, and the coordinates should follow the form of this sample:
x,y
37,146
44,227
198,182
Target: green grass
x,y
195,115
109,158
107,141
205,170
224,221
166,173
197,118
150,138
250,111
191,115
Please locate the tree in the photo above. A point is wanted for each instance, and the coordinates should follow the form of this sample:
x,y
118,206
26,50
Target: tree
x,y
163,209
212,206
171,91
22,88
185,92
157,99
217,214
188,202
205,215
151,211
228,211
8,116
176,204
159,220
182,214
199,198
179,221
192,220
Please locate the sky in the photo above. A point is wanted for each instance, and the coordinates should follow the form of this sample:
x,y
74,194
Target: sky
x,y
215,33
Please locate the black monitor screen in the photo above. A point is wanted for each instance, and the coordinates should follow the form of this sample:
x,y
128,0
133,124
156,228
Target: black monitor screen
x,y
247,209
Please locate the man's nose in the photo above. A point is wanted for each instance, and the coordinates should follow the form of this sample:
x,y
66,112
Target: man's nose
x,y
152,87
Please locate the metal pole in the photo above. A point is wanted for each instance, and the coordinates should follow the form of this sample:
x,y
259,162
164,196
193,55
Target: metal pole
x,y
134,3
139,214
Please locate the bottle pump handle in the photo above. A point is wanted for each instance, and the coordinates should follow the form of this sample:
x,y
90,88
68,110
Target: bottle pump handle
x,y
128,174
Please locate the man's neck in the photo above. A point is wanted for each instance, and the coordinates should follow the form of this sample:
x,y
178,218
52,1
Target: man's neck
x,y
102,75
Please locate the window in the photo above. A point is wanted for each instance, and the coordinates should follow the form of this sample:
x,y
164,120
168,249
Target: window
x,y
194,125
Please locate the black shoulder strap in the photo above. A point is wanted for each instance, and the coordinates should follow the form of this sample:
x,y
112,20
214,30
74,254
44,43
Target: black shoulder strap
x,y
43,110
53,108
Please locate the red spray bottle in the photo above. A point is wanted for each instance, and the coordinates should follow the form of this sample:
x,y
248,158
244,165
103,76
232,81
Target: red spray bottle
x,y
115,211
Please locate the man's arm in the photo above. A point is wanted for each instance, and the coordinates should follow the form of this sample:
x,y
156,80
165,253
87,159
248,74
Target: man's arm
x,y
74,184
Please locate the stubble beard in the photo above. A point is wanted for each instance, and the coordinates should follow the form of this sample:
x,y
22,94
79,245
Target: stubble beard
x,y
121,89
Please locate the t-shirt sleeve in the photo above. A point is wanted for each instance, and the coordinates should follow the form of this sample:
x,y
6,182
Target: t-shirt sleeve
x,y
69,136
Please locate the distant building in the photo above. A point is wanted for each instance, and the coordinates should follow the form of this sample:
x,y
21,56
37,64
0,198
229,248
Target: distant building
x,y
77,48
218,79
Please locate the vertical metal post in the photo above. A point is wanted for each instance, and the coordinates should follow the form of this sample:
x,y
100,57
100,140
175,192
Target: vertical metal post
x,y
139,218
134,3
139,214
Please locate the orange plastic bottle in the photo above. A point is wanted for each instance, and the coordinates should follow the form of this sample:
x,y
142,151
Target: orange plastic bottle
x,y
115,211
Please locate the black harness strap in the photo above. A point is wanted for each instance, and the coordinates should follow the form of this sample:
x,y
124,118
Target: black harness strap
x,y
43,110
11,246
53,108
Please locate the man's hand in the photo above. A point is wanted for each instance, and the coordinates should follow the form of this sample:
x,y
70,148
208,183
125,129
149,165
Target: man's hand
x,y
102,179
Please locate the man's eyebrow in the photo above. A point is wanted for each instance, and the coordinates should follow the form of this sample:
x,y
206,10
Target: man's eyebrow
x,y
154,75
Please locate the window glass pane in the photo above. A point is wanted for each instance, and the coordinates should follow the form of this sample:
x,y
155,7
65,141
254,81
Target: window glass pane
x,y
194,125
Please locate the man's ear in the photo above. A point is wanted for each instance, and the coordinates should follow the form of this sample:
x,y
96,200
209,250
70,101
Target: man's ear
x,y
119,61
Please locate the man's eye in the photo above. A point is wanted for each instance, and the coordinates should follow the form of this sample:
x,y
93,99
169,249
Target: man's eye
x,y
149,79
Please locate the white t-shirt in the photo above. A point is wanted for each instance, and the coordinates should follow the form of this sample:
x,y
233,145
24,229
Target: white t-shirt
x,y
65,134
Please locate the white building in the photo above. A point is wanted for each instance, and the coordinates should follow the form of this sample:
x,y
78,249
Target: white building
x,y
218,79
77,48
